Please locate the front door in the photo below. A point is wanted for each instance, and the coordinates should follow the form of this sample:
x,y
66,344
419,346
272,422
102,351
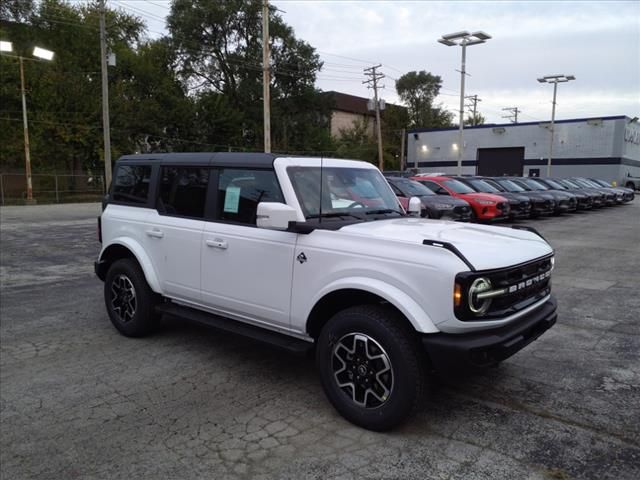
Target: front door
x,y
247,271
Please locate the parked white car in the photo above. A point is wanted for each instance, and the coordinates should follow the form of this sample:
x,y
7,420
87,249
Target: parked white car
x,y
318,255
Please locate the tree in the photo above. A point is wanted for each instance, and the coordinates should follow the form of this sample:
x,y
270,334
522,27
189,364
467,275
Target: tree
x,y
472,120
418,90
149,106
219,48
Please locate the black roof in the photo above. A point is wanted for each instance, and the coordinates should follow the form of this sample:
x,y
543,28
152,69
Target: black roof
x,y
226,159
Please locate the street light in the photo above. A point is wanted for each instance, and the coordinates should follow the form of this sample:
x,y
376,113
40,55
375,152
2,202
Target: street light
x,y
555,79
44,54
463,39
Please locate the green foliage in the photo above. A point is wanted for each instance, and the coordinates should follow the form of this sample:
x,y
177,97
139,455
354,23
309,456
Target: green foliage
x,y
219,48
472,120
199,88
418,90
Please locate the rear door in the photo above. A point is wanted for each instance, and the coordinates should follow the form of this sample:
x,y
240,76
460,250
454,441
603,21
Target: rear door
x,y
174,229
246,271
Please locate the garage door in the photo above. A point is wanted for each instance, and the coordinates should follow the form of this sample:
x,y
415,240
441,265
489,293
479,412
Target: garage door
x,y
494,162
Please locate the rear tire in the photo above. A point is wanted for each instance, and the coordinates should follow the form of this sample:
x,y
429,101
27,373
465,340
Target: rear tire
x,y
631,185
129,300
371,366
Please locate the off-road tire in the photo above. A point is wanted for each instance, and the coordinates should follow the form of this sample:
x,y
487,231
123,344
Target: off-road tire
x,y
398,341
122,276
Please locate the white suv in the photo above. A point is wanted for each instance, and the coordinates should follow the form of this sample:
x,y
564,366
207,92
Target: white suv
x,y
317,254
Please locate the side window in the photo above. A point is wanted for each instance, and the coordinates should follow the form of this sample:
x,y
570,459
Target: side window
x,y
183,191
240,191
396,190
131,184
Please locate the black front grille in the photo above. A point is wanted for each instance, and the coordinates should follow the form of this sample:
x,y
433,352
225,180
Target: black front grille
x,y
461,210
526,284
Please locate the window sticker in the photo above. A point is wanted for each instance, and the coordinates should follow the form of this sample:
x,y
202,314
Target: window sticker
x,y
231,199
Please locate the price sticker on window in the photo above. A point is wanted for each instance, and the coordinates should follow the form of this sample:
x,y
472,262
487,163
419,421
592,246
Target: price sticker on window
x,y
232,199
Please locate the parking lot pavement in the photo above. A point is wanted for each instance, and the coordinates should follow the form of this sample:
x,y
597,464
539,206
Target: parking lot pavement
x,y
77,400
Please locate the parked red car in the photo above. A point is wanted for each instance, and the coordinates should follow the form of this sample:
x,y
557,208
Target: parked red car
x,y
485,206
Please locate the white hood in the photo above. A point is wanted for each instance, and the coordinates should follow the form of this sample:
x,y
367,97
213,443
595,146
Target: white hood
x,y
486,247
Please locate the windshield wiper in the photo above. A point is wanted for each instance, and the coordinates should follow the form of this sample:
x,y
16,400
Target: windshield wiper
x,y
381,211
335,215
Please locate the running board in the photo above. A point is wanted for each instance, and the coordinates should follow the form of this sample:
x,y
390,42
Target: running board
x,y
279,340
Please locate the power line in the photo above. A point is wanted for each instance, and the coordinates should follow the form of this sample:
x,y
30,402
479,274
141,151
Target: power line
x,y
473,107
372,82
513,118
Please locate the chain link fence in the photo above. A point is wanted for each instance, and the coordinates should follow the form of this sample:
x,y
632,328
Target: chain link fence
x,y
52,188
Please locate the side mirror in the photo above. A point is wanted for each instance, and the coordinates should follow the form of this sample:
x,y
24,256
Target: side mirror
x,y
275,215
415,207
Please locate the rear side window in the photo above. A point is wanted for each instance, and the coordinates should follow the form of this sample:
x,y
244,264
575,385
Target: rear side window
x,y
183,191
131,184
240,191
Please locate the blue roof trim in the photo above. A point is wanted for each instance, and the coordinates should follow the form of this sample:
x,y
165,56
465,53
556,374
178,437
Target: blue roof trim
x,y
522,124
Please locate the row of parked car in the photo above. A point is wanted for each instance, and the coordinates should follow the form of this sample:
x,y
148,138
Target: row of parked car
x,y
490,199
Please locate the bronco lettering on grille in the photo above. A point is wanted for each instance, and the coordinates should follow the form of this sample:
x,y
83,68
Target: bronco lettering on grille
x,y
529,282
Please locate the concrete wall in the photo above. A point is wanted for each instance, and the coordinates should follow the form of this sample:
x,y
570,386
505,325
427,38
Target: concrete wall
x,y
600,142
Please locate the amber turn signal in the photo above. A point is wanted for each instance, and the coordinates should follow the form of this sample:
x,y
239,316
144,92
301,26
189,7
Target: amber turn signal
x,y
457,295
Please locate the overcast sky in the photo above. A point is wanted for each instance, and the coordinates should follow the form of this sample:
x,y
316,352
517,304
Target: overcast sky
x,y
597,41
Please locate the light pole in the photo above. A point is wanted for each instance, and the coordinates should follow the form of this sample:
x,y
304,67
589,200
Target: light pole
x,y
463,39
39,53
555,79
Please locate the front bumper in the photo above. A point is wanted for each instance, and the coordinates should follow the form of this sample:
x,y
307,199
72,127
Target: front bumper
x,y
464,353
457,215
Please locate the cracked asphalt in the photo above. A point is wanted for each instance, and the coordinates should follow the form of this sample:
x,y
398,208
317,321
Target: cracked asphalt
x,y
77,400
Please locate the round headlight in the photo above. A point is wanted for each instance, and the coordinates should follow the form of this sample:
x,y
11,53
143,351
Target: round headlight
x,y
477,306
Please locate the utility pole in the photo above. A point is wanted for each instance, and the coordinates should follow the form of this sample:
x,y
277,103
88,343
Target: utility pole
x,y
372,82
513,118
27,152
555,79
473,107
266,76
403,132
105,98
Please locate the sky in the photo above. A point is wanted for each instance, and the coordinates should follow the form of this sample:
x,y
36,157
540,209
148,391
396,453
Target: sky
x,y
597,41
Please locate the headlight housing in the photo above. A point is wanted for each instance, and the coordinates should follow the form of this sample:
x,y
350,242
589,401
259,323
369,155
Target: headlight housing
x,y
442,206
477,304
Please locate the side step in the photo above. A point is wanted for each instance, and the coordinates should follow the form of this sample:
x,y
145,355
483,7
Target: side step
x,y
279,340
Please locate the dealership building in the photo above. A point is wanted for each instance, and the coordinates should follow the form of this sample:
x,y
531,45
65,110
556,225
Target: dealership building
x,y
602,147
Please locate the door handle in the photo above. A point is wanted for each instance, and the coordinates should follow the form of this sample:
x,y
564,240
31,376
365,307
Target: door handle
x,y
217,243
155,233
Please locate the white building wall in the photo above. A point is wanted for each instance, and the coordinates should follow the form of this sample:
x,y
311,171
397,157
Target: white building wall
x,y
593,140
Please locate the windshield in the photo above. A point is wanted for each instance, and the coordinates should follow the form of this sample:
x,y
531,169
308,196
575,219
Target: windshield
x,y
482,186
570,184
457,186
591,183
556,185
511,186
534,185
602,183
349,192
581,183
412,188
496,185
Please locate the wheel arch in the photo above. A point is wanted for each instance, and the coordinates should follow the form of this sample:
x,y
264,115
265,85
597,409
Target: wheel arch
x,y
126,248
353,292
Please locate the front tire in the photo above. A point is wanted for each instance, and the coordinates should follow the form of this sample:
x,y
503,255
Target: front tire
x,y
371,366
129,300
